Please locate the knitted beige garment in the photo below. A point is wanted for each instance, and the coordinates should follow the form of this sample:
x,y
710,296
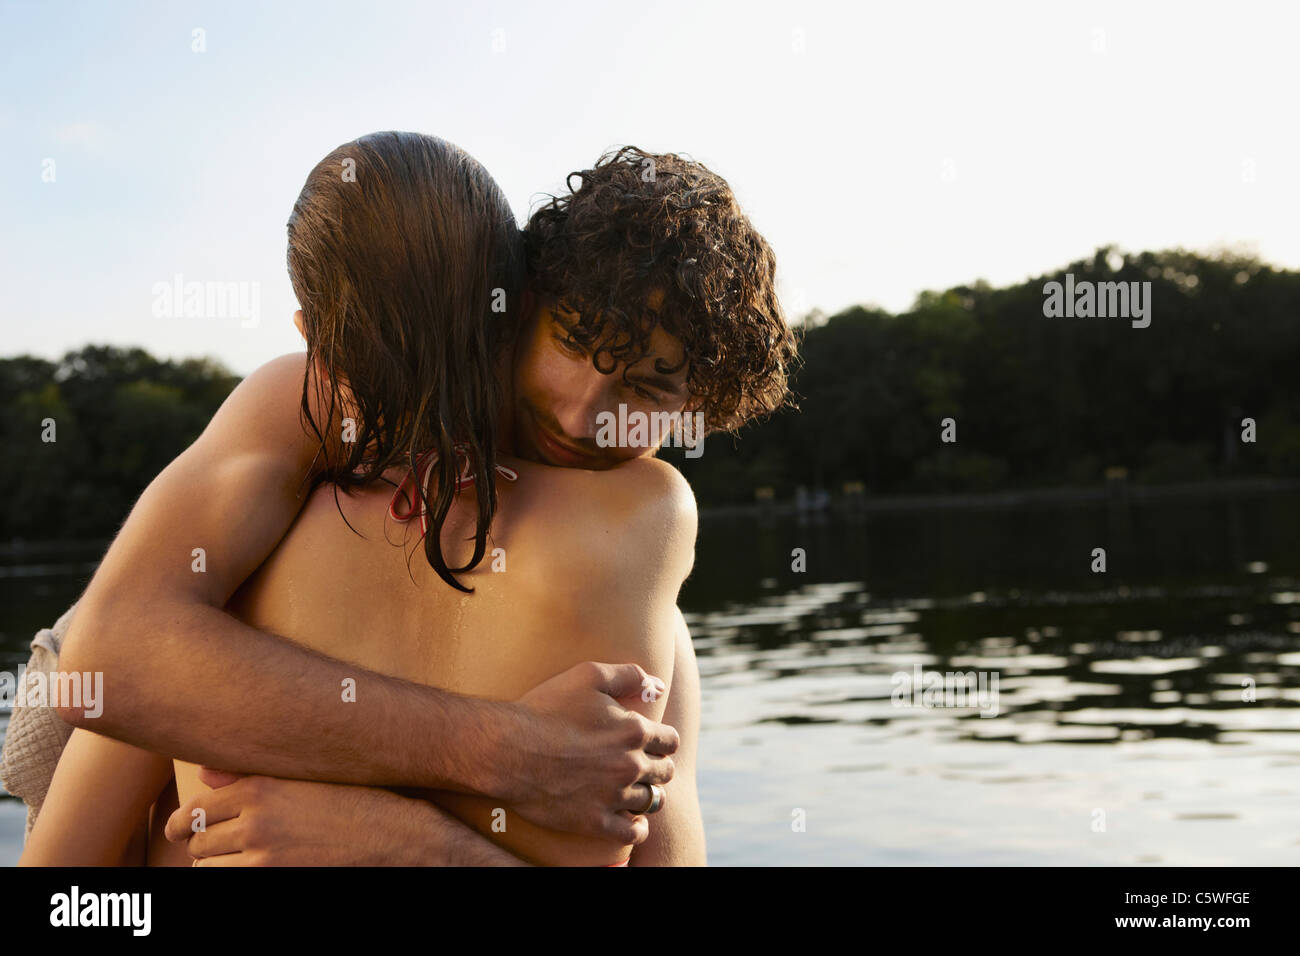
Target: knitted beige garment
x,y
36,735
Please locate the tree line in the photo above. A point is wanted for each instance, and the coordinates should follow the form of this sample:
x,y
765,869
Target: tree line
x,y
1210,388
1207,389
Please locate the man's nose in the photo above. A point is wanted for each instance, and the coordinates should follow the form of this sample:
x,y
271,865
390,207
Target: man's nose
x,y
579,416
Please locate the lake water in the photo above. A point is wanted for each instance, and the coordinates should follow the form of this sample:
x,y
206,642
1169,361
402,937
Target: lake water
x,y
1124,733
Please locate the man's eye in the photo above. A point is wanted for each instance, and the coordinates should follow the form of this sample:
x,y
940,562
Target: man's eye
x,y
646,394
569,344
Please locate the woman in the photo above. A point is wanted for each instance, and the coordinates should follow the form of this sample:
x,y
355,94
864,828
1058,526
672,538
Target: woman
x,y
405,388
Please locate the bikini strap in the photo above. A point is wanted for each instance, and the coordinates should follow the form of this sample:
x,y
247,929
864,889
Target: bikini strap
x,y
424,469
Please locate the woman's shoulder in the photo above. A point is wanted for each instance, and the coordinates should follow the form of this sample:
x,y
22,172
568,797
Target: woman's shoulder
x,y
640,514
639,484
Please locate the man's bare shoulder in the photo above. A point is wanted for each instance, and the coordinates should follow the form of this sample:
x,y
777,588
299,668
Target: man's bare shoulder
x,y
278,382
291,363
263,415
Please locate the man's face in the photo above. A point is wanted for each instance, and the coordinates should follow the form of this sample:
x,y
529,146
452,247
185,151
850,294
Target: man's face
x,y
560,396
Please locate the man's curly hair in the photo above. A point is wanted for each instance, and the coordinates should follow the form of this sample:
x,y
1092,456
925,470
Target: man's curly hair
x,y
643,225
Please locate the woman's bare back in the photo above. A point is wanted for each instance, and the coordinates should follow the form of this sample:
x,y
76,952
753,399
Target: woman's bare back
x,y
580,566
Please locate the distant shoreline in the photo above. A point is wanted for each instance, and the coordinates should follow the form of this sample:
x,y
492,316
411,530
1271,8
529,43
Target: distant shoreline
x,y
1117,492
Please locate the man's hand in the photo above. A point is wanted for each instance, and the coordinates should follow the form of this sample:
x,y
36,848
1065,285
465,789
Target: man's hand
x,y
579,760
268,821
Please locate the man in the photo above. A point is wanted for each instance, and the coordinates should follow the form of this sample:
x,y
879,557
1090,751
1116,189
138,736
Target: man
x,y
662,297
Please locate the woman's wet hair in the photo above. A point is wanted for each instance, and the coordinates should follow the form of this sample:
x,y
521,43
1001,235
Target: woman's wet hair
x,y
408,264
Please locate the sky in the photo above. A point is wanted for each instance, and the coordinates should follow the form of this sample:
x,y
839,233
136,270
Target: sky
x,y
882,148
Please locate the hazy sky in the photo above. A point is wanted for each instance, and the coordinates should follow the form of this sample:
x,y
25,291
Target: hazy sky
x,y
883,149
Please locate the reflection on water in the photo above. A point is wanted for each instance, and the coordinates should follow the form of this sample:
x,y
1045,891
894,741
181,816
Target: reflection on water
x,y
1125,733
1145,715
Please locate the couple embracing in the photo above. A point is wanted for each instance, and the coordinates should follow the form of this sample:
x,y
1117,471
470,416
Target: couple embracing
x,y
436,618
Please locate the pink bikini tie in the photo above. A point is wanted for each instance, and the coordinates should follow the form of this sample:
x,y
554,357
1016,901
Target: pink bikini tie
x,y
425,464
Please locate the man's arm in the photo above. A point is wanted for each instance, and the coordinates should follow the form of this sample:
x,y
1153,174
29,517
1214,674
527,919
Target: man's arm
x,y
182,677
266,821
270,822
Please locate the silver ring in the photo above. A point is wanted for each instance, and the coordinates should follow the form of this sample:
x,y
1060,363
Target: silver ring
x,y
656,799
